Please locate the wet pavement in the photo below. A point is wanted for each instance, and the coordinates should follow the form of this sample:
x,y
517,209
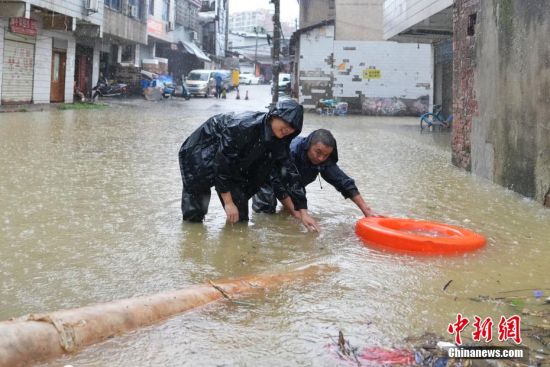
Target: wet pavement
x,y
90,213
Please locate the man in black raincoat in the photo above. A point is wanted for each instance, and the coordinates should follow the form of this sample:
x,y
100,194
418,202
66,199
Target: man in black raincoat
x,y
236,153
312,155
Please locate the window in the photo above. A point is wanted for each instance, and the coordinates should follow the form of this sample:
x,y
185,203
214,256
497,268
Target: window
x,y
165,10
135,8
128,52
152,7
472,19
113,4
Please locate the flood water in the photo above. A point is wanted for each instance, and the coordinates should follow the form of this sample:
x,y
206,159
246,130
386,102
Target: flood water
x,y
90,212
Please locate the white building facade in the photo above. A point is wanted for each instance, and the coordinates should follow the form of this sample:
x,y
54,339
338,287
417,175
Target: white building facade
x,y
38,48
373,77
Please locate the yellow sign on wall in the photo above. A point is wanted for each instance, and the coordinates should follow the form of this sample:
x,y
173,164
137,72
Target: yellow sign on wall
x,y
371,74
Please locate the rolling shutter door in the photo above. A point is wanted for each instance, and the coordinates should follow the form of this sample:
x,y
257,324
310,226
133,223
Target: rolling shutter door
x,y
18,66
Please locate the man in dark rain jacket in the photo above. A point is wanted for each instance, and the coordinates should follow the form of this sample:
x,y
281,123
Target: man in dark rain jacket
x,y
236,153
314,155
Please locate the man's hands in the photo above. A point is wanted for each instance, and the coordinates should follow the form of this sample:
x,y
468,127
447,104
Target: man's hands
x,y
302,215
308,221
367,211
231,211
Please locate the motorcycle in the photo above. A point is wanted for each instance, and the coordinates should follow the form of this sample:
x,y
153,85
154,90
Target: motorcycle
x,y
104,89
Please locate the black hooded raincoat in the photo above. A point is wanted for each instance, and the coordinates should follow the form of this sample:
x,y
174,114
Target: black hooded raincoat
x,y
237,152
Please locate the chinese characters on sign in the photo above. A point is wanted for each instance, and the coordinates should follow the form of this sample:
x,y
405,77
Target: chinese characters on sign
x,y
371,74
23,26
508,328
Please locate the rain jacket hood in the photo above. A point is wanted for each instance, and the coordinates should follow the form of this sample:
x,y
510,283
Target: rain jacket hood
x,y
290,111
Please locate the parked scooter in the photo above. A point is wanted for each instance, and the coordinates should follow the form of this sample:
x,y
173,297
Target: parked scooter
x,y
104,89
167,84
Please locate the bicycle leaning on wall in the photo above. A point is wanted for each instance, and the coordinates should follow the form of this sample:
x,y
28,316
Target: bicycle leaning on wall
x,y
431,120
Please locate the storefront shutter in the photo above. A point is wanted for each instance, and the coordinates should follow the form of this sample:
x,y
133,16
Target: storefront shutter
x,y
18,66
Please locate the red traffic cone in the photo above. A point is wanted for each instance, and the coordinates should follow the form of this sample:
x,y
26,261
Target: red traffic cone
x,y
246,96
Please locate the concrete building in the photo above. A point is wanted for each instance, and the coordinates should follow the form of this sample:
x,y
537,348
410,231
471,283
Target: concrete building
x,y
40,42
254,52
49,49
246,21
124,35
501,75
340,54
214,18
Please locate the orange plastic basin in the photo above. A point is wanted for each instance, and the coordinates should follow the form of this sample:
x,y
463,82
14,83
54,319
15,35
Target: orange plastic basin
x,y
410,235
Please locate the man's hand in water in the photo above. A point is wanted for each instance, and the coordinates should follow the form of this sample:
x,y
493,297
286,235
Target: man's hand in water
x,y
308,221
230,208
232,213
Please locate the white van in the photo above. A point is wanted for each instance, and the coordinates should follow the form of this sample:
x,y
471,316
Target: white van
x,y
200,82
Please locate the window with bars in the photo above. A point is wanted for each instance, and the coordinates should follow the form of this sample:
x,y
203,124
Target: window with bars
x,y
166,10
113,4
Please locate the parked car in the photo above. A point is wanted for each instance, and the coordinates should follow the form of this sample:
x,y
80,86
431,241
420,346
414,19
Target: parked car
x,y
284,83
248,78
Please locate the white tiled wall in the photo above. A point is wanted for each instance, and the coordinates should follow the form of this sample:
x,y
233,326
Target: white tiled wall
x,y
43,66
42,69
2,26
405,69
316,46
69,71
335,69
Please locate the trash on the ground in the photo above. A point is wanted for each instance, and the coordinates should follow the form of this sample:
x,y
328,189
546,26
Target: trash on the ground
x,y
152,94
447,284
369,356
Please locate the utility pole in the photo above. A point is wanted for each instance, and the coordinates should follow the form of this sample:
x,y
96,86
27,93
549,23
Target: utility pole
x,y
276,50
226,28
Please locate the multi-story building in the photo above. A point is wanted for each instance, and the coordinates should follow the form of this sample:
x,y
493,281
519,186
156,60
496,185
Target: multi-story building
x,y
124,34
493,75
340,54
50,49
214,18
183,52
41,42
247,21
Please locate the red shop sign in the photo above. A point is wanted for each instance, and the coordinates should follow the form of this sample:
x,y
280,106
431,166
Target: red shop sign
x,y
23,26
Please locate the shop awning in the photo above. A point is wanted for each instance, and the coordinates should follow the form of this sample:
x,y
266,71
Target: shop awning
x,y
194,50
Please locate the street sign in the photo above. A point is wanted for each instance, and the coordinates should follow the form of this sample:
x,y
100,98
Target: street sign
x,y
23,26
372,74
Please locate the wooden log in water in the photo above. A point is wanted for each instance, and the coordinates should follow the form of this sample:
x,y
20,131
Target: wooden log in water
x,y
38,337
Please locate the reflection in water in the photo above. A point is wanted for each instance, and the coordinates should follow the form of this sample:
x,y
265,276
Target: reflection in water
x,y
90,213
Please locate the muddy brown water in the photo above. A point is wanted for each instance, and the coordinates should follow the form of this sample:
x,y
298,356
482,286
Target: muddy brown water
x,y
89,212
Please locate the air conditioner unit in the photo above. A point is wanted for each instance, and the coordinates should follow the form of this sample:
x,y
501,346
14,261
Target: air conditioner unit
x,y
170,26
194,36
134,11
92,6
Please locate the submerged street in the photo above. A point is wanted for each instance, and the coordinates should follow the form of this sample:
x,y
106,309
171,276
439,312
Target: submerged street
x,y
90,212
